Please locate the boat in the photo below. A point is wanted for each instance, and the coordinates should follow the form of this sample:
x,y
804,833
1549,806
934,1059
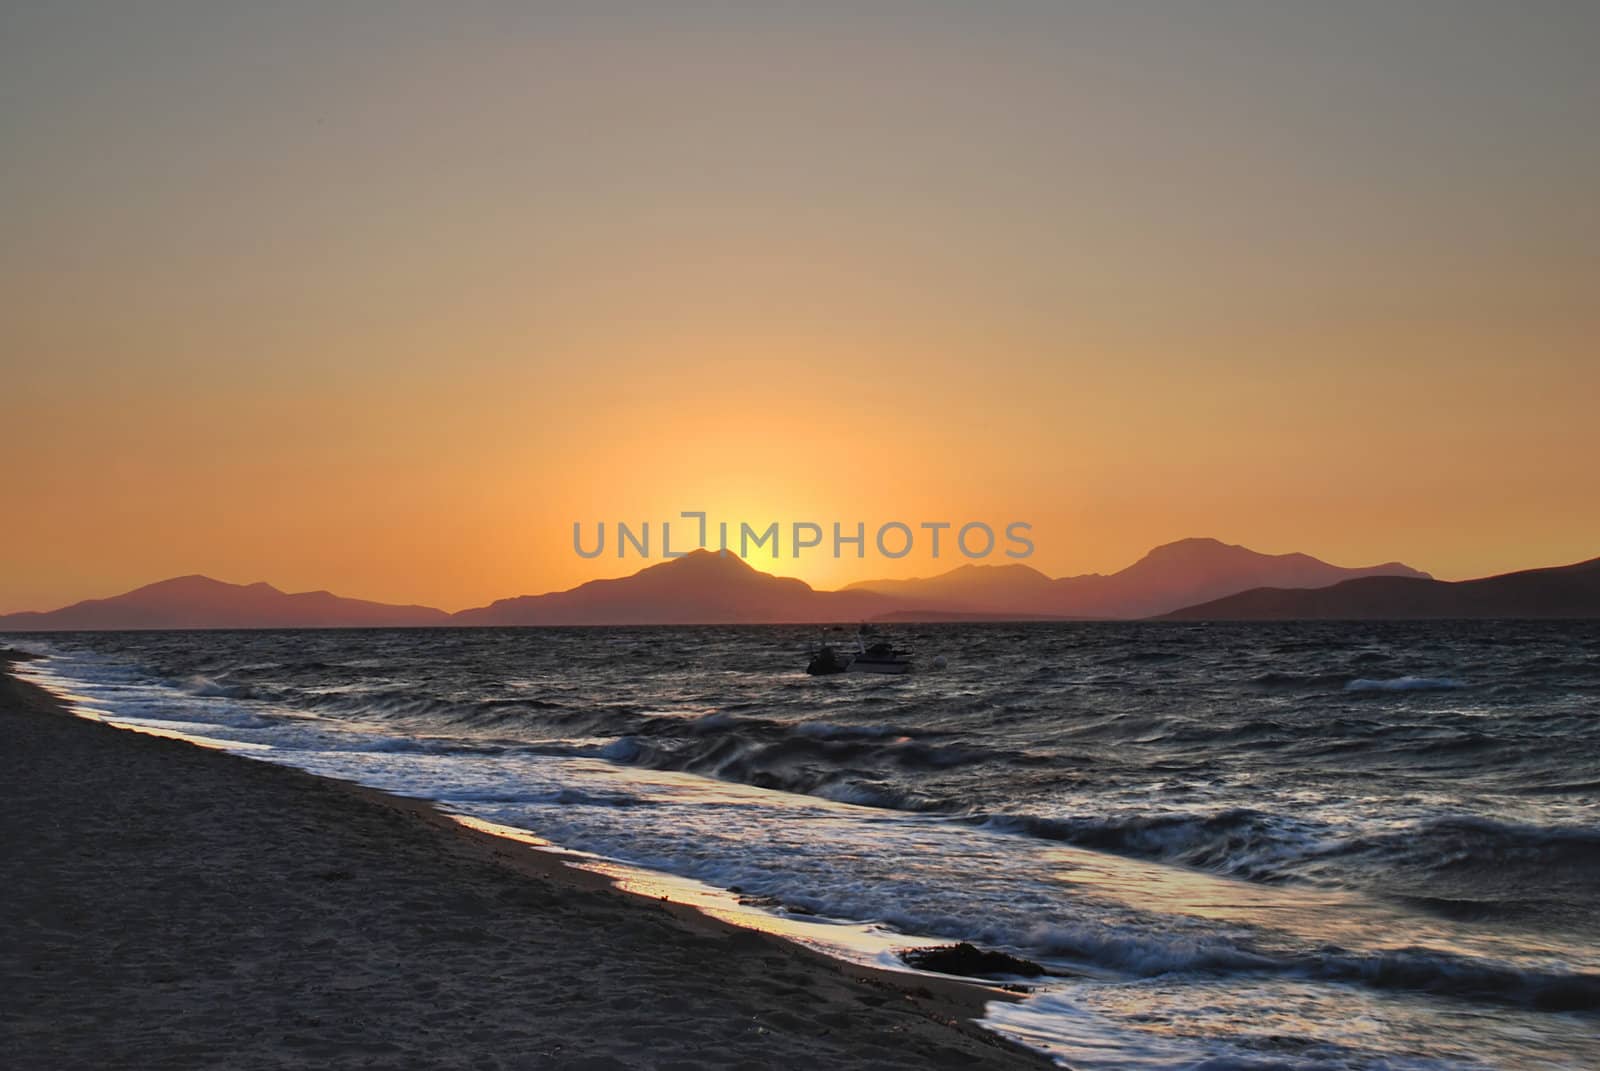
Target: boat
x,y
826,660
873,654
877,656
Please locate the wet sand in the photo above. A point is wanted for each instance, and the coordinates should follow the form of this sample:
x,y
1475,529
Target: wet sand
x,y
166,905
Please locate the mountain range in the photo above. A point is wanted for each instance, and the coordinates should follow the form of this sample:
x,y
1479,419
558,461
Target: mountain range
x,y
706,587
1568,591
201,602
1189,579
1169,577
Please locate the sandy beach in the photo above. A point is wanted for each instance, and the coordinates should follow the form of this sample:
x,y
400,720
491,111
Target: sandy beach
x,y
171,906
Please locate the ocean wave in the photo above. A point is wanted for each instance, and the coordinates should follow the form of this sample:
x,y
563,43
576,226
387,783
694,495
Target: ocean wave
x,y
1404,684
1142,954
206,687
417,707
824,730
1422,970
1282,679
518,703
1238,842
879,795
800,762
564,797
877,765
1468,841
624,749
574,797
415,745
1469,865
1411,969
383,704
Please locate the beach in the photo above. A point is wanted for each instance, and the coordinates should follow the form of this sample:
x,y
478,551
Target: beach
x,y
176,906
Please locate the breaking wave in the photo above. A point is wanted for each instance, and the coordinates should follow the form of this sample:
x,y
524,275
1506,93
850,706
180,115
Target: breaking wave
x,y
1404,684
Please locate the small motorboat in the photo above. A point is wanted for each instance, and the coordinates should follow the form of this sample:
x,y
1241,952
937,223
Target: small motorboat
x,y
826,660
873,654
877,656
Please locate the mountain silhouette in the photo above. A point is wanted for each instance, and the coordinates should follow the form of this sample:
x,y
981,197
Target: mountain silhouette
x,y
1569,591
201,602
1192,578
971,586
703,587
1169,577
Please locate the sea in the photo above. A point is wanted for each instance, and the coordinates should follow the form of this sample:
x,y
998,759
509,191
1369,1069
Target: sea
x,y
1252,846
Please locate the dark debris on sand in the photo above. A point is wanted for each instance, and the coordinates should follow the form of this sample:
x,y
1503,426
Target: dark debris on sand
x,y
970,961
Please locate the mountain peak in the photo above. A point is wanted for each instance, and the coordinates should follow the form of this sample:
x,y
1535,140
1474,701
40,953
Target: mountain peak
x,y
706,562
1011,568
703,587
1193,547
188,582
198,585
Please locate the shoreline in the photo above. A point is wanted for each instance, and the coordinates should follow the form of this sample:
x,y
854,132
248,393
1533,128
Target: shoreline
x,y
170,903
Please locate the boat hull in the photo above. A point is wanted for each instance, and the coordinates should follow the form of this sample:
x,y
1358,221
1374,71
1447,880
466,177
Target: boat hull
x,y
868,666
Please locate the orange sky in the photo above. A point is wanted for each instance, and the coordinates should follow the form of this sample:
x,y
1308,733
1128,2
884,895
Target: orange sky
x,y
383,300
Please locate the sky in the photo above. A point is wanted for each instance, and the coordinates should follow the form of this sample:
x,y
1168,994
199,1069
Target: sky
x,y
383,297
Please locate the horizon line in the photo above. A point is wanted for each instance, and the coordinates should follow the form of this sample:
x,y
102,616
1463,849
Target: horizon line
x,y
704,552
